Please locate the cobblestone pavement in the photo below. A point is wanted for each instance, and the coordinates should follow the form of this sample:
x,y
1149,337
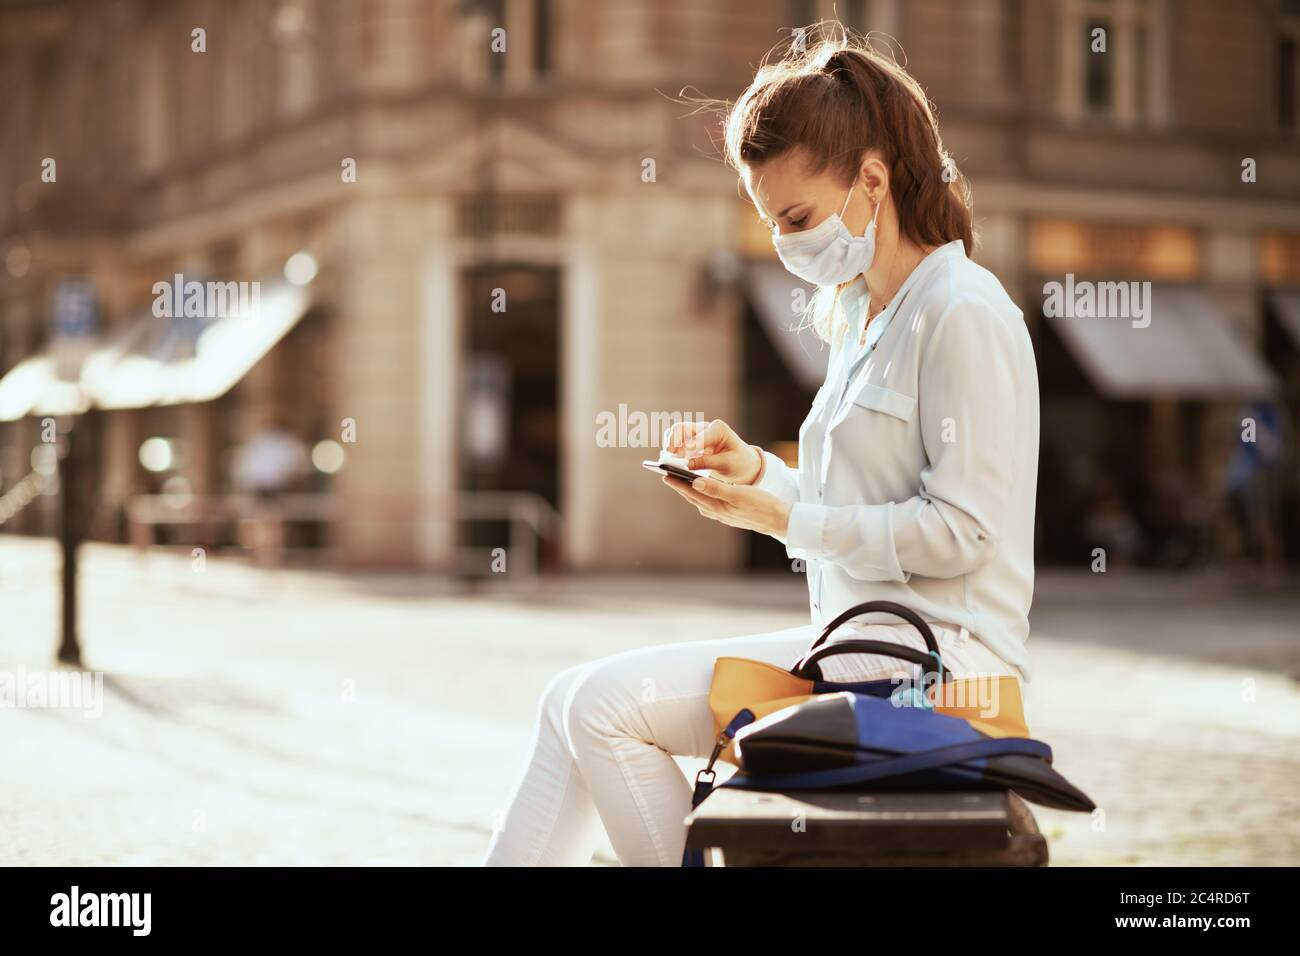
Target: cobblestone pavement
x,y
288,717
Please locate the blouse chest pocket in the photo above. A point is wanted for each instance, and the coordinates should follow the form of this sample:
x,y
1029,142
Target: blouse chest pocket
x,y
877,398
873,425
867,403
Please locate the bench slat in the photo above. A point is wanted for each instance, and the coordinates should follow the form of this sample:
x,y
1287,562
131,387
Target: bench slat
x,y
875,829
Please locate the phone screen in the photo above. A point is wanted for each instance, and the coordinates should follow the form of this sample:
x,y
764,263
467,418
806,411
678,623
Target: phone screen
x,y
680,472
673,471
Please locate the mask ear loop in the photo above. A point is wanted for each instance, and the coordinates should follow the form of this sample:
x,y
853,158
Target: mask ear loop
x,y
847,196
875,215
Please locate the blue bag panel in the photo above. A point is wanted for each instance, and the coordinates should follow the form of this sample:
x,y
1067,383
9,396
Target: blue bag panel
x,y
886,728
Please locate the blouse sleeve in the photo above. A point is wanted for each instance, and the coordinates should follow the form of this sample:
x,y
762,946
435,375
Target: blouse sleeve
x,y
967,406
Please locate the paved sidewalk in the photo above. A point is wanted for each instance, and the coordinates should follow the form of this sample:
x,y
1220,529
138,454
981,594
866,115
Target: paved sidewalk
x,y
288,717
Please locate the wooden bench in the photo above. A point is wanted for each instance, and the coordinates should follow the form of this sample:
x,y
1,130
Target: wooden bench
x,y
839,828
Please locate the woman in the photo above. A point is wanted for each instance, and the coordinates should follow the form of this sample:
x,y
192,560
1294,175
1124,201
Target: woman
x,y
917,461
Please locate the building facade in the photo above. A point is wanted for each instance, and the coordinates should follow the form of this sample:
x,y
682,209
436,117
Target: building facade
x,y
530,256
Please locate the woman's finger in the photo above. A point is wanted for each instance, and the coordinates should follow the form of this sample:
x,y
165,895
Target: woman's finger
x,y
720,462
680,434
676,484
683,489
674,438
713,488
694,497
711,438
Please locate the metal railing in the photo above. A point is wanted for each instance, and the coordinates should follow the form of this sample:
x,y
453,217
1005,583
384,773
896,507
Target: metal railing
x,y
22,494
531,518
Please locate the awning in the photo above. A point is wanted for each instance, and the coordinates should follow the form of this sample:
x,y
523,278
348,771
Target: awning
x,y
156,360
1188,350
771,292
35,387
1287,305
174,361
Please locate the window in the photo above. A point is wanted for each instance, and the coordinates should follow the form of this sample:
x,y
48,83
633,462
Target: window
x,y
1166,252
541,37
1099,68
1113,60
530,50
1010,21
151,101
480,215
494,10
293,39
1142,94
1288,85
857,16
862,16
1279,258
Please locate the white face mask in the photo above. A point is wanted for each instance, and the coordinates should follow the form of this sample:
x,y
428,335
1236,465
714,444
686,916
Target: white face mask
x,y
829,254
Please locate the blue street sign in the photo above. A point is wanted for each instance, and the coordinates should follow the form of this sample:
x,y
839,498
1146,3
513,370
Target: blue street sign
x,y
74,312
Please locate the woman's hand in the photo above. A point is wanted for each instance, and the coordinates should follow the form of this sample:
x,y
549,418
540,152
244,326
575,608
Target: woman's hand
x,y
716,446
736,505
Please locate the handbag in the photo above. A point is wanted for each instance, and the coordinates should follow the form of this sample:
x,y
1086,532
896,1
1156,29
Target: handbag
x,y
794,731
992,703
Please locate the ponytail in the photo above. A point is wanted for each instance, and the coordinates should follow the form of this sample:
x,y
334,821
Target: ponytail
x,y
932,197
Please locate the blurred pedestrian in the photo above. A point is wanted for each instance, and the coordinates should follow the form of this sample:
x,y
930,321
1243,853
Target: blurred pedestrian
x,y
1109,523
1253,482
273,461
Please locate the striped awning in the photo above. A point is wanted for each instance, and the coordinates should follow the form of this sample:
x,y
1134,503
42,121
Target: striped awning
x,y
155,360
1185,347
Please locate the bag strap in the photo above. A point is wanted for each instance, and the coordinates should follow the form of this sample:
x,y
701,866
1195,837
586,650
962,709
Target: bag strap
x,y
882,607
932,669
893,766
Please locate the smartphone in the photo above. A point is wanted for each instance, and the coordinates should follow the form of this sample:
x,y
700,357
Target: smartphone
x,y
664,468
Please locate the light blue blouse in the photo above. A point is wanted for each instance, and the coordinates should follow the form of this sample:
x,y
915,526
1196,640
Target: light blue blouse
x,y
918,460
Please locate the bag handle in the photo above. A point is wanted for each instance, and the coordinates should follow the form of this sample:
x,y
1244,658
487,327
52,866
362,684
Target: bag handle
x,y
931,664
883,607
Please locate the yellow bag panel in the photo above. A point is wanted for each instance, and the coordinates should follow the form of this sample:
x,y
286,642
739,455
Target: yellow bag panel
x,y
992,704
739,682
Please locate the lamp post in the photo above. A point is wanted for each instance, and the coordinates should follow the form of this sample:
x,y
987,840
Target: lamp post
x,y
76,489
74,320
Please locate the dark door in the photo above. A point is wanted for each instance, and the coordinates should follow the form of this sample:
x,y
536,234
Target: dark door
x,y
510,406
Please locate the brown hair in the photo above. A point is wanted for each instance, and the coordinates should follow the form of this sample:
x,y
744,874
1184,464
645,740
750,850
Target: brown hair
x,y
834,97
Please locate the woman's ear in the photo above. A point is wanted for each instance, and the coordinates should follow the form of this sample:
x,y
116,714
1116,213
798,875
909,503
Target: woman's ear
x,y
874,175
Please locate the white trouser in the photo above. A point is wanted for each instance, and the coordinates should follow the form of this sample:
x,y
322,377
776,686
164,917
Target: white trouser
x,y
606,732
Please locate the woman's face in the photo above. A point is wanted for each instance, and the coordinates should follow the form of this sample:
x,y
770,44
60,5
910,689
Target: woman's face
x,y
789,199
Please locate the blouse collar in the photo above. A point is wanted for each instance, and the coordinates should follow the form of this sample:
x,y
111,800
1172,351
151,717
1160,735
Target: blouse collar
x,y
853,299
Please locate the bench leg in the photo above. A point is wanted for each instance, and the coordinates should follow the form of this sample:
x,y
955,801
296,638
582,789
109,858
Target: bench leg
x,y
1027,843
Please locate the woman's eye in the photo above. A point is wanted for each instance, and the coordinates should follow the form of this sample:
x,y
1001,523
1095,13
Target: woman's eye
x,y
798,223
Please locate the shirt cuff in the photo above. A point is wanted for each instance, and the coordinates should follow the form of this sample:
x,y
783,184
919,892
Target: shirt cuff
x,y
858,538
775,479
805,535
